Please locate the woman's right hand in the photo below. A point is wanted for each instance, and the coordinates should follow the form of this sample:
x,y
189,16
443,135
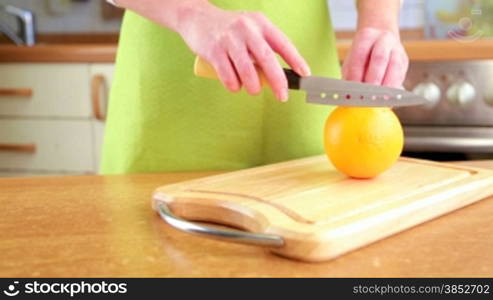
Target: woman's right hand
x,y
233,41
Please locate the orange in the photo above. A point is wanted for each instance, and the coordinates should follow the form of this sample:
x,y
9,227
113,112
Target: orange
x,y
363,142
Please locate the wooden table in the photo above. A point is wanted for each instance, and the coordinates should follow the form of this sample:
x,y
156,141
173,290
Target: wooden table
x,y
87,226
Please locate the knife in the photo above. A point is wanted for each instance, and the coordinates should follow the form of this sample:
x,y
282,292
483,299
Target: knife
x,y
329,91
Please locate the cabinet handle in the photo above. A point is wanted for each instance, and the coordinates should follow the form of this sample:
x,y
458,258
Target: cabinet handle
x,y
99,87
21,92
27,148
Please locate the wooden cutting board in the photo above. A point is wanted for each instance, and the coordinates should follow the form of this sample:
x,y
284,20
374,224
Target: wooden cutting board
x,y
320,213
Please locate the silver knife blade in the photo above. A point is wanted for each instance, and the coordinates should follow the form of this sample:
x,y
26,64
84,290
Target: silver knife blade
x,y
328,91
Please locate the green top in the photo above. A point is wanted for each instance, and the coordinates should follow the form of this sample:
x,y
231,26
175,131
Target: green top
x,y
163,118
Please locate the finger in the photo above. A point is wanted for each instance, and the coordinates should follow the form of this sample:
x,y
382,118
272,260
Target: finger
x,y
379,59
225,71
245,68
345,67
357,60
397,70
266,59
281,44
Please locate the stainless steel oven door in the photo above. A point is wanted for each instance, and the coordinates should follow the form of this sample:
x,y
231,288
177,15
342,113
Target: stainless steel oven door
x,y
448,139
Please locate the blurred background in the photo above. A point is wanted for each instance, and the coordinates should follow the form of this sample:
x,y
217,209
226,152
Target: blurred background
x,y
71,16
433,19
57,61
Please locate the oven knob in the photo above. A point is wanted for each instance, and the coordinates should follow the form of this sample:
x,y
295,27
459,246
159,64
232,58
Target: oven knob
x,y
430,91
488,96
461,93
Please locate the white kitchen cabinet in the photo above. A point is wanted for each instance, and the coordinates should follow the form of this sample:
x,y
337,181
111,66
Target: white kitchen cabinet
x,y
52,145
57,90
97,145
52,117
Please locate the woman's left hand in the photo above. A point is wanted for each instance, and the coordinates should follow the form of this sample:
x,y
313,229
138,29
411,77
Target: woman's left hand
x,y
377,57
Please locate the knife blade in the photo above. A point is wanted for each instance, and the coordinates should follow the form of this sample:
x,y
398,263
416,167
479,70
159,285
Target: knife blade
x,y
329,91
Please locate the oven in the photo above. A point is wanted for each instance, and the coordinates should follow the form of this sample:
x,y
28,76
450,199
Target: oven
x,y
457,121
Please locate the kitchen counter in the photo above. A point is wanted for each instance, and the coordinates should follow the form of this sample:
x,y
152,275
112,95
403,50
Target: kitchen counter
x,y
104,226
418,50
59,53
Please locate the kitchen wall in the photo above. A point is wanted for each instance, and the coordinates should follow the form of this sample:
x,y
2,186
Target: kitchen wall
x,y
343,14
86,15
66,15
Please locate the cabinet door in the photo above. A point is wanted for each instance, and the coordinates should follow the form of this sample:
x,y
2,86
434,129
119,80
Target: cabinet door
x,y
101,79
44,90
46,146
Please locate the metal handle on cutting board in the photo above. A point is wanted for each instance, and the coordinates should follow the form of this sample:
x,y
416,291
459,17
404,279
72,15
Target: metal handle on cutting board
x,y
228,235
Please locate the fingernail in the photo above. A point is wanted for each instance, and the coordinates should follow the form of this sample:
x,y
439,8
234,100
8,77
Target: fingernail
x,y
306,71
303,71
283,95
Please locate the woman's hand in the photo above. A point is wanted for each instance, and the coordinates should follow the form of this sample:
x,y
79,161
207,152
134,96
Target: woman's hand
x,y
233,41
378,57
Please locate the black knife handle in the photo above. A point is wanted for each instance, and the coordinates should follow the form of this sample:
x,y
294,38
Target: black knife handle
x,y
293,79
